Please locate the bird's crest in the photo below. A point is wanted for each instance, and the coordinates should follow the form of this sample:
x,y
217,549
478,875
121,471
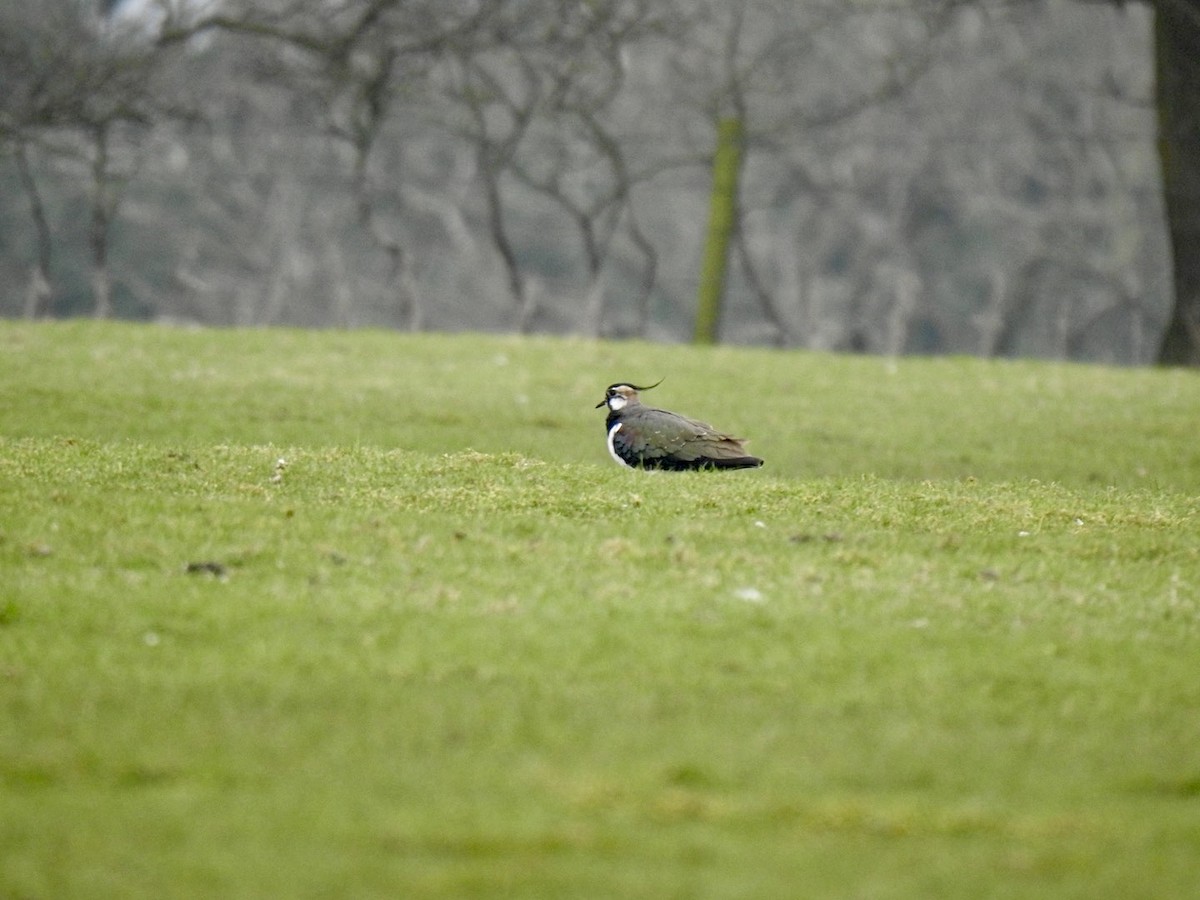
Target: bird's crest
x,y
620,394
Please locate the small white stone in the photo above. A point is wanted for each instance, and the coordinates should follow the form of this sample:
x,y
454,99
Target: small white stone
x,y
749,594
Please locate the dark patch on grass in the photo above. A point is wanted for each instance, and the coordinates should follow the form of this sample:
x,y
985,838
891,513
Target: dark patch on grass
x,y
1184,788
9,613
207,567
690,775
30,777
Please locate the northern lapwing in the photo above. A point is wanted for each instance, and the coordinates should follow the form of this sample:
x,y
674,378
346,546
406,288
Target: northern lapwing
x,y
643,437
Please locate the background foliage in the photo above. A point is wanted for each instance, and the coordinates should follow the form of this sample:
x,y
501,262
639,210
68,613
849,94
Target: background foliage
x,y
930,176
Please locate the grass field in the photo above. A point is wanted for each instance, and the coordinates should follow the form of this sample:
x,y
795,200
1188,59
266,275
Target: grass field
x,y
945,644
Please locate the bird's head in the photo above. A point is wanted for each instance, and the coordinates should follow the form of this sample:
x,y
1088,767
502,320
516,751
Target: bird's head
x,y
622,394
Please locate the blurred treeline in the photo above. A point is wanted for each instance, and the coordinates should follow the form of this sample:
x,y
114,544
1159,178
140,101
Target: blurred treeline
x,y
930,176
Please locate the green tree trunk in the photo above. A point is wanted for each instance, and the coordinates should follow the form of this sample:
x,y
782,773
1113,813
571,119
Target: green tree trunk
x,y
727,167
1177,47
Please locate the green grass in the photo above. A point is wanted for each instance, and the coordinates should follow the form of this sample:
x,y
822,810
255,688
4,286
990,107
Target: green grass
x,y
945,644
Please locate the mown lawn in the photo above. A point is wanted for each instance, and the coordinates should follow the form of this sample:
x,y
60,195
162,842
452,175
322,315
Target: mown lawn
x,y
945,644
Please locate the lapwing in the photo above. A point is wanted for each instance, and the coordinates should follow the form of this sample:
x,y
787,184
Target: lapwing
x,y
643,437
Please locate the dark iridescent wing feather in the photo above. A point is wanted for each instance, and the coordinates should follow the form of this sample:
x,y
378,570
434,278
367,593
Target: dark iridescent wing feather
x,y
663,439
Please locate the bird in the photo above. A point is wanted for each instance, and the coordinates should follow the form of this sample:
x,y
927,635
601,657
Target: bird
x,y
642,437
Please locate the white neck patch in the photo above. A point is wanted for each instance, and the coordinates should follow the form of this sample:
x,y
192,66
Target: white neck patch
x,y
616,402
612,450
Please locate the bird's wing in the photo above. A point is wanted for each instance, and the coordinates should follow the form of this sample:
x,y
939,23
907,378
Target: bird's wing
x,y
669,434
711,444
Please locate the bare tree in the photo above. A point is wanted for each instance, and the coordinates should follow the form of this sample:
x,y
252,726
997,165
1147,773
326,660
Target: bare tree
x,y
1177,43
551,164
84,89
753,68
577,157
39,294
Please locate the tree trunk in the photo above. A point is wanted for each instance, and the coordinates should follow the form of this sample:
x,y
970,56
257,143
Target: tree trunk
x,y
98,234
39,293
525,304
727,165
1177,40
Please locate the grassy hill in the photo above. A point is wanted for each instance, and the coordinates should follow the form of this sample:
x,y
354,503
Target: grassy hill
x,y
944,644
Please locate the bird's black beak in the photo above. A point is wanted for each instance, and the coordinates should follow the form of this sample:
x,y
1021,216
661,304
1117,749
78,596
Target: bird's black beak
x,y
601,403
